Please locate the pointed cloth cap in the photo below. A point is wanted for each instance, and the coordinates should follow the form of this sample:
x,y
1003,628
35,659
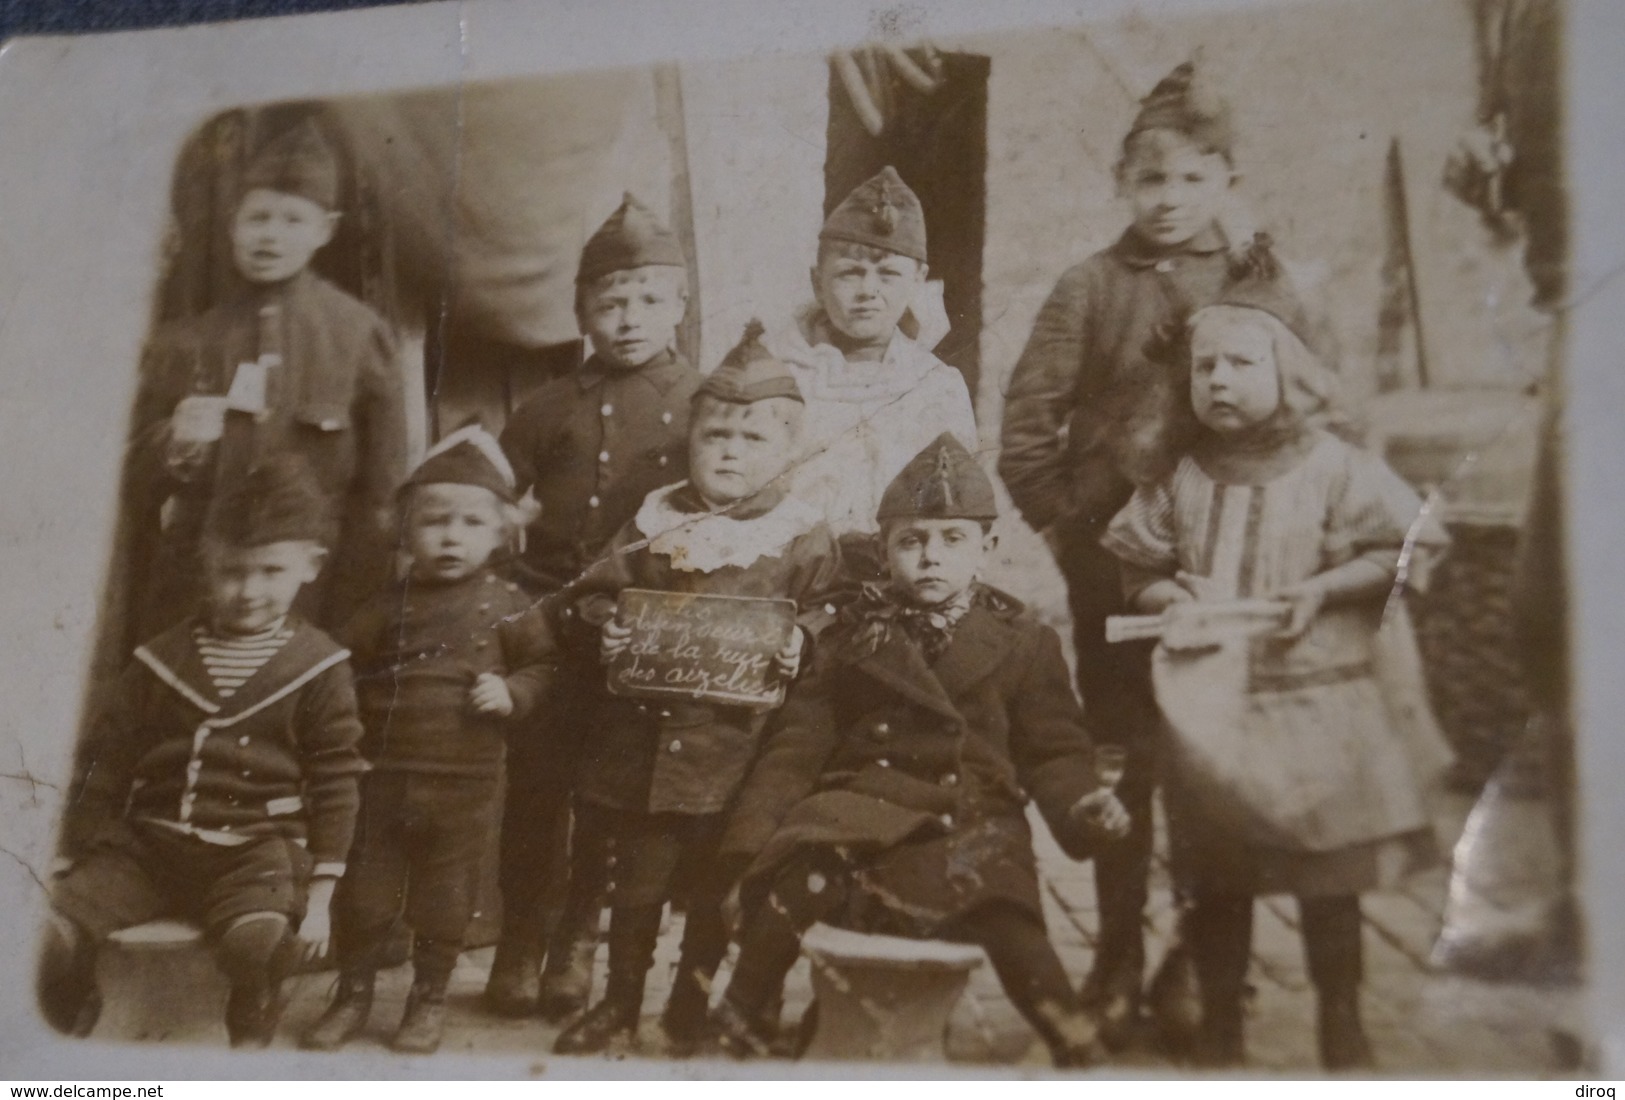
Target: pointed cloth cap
x,y
749,373
1186,103
944,481
276,501
297,161
468,456
1272,296
883,213
632,237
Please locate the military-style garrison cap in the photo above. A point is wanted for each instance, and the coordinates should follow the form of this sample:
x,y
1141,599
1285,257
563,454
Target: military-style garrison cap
x,y
632,237
944,481
1185,102
881,212
468,456
749,373
276,501
297,161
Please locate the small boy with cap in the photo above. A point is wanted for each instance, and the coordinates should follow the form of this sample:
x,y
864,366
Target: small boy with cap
x,y
1087,417
289,364
589,448
875,396
891,797
442,672
220,785
657,777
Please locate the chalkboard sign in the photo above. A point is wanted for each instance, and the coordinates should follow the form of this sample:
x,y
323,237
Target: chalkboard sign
x,y
687,646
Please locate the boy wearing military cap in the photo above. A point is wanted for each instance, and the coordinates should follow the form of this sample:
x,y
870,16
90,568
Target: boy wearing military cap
x,y
589,448
1087,417
657,779
892,794
220,785
288,364
875,393
443,671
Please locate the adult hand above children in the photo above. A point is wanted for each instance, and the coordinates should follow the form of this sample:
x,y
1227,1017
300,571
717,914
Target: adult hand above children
x,y
787,661
1102,813
317,928
490,696
612,639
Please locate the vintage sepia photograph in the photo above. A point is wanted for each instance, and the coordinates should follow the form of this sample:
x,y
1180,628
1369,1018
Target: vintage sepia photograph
x,y
1038,550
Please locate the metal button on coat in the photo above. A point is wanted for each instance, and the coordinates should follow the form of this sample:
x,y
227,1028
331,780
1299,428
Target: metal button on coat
x,y
665,417
950,780
592,502
882,729
243,740
603,456
676,746
608,409
883,762
663,460
948,820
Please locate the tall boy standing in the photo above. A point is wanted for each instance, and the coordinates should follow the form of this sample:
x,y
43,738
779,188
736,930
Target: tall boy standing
x,y
589,448
1087,417
292,364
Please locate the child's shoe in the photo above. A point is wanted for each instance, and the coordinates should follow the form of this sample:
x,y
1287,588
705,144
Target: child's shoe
x,y
566,985
604,1022
253,1012
737,1035
423,1024
345,1017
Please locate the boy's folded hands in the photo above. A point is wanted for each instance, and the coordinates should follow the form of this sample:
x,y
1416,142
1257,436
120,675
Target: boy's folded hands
x,y
787,661
490,696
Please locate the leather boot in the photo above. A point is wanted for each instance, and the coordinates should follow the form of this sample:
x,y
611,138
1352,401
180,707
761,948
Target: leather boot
x,y
514,985
346,1016
685,1018
632,935
1343,1044
566,980
424,1021
1333,948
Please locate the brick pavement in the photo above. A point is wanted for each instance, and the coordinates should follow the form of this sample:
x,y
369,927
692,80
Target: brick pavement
x,y
1421,1023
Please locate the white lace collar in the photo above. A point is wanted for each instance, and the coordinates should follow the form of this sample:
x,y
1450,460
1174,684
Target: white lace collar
x,y
703,542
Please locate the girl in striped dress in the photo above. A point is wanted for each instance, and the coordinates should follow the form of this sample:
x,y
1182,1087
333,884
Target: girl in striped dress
x,y
1289,769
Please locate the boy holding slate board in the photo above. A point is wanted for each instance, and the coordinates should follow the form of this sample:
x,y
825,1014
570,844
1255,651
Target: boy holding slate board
x,y
703,602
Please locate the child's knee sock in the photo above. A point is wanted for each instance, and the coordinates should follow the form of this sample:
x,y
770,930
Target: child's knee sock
x,y
803,894
249,945
433,961
1332,944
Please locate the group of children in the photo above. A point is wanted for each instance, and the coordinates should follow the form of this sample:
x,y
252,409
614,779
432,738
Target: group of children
x,y
1166,427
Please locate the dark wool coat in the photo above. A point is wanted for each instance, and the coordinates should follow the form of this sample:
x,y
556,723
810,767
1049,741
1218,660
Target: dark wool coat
x,y
338,403
278,758
591,447
924,773
417,650
1087,416
681,757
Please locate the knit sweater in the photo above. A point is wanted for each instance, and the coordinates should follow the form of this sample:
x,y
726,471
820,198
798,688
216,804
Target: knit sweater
x,y
418,649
